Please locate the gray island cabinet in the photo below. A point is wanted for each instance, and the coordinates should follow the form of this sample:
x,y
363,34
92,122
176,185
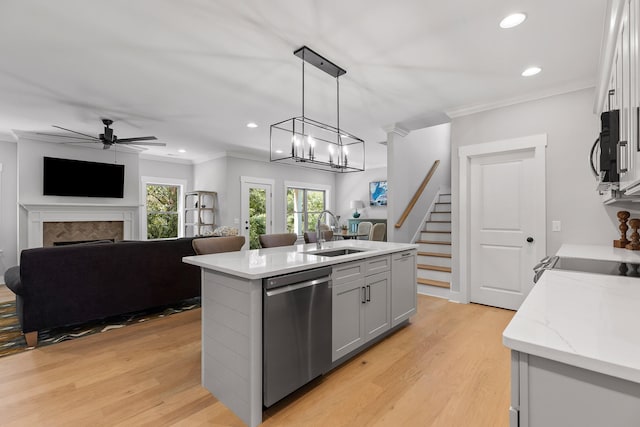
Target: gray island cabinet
x,y
373,293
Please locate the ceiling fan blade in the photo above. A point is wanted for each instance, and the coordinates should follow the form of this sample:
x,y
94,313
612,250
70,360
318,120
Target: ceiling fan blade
x,y
140,138
57,135
73,131
158,144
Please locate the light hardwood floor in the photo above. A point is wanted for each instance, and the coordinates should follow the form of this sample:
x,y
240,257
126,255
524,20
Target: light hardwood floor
x,y
6,294
447,368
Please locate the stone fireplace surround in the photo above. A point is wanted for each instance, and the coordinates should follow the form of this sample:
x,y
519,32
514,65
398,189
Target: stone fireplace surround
x,y
38,214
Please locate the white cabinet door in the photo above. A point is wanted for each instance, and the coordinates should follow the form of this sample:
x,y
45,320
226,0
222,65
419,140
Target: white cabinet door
x,y
404,287
634,98
376,308
625,151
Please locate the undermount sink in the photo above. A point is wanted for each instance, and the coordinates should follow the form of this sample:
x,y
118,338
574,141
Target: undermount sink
x,y
336,252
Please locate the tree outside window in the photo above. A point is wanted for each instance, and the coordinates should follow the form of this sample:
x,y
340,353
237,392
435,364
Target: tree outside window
x,y
303,208
162,211
257,216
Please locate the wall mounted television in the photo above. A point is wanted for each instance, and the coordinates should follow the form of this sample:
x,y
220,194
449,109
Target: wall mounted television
x,y
378,193
77,178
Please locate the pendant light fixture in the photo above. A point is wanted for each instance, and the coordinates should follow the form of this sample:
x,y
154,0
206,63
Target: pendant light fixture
x,y
306,142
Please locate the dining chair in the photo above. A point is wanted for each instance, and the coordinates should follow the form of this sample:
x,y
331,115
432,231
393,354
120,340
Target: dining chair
x,y
310,236
377,232
216,245
278,239
364,227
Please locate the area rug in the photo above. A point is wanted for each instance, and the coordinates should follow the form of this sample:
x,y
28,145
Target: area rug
x,y
12,341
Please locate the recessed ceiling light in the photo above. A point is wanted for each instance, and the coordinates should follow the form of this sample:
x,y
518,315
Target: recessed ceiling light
x,y
513,20
252,125
278,151
531,71
182,150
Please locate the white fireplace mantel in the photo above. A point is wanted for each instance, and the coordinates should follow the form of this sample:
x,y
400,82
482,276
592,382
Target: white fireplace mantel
x,y
39,213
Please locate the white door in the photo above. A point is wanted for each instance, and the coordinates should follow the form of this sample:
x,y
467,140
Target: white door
x,y
506,231
256,209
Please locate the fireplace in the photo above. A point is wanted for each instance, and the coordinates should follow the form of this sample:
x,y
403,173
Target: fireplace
x,y
50,222
59,233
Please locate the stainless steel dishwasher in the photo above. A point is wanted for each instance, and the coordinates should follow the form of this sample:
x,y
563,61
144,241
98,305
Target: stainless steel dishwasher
x,y
296,331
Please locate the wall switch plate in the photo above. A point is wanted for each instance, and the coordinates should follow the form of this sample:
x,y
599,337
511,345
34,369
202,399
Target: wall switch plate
x,y
555,226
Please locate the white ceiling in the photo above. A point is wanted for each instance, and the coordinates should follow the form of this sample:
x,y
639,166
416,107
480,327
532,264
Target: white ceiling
x,y
194,72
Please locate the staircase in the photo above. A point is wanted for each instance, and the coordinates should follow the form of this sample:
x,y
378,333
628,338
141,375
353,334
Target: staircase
x,y
434,253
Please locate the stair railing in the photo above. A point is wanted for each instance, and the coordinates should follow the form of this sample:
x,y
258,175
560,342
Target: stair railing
x,y
417,195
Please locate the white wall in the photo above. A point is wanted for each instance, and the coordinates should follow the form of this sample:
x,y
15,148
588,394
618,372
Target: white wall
x,y
410,159
30,173
212,176
30,163
571,129
8,205
167,169
208,176
355,186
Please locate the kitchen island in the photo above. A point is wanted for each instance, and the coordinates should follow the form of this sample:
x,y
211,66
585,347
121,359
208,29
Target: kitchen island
x,y
575,345
373,293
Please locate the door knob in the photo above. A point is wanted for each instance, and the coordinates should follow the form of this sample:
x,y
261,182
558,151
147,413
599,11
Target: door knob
x,y
529,239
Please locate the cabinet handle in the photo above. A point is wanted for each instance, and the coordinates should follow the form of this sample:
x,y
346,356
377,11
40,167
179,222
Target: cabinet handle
x,y
368,293
593,149
406,254
364,295
620,168
637,135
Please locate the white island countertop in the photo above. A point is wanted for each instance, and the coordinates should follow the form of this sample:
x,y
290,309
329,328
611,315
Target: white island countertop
x,y
599,252
261,263
586,320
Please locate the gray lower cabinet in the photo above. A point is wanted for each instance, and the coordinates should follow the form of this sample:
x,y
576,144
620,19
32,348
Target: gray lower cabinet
x,y
347,318
404,288
376,306
361,310
548,393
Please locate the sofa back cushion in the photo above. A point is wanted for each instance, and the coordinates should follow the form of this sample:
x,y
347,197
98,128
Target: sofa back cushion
x,y
72,284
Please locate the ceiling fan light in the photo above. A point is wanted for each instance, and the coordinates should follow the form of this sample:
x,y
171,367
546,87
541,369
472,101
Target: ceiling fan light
x,y
513,20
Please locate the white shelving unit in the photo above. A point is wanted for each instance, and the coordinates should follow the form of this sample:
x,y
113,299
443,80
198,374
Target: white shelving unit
x,y
200,213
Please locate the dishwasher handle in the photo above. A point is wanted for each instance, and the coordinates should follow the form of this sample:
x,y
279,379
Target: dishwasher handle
x,y
291,288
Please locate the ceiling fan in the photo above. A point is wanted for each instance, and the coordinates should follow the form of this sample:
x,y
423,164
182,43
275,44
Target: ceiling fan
x,y
108,138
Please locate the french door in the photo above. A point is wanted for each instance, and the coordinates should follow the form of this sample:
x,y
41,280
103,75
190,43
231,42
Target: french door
x,y
256,209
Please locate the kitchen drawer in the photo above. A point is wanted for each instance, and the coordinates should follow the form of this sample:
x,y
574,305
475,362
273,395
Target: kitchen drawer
x,y
343,273
377,265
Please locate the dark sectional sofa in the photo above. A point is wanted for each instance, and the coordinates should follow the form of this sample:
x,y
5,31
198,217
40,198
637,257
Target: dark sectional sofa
x,y
66,285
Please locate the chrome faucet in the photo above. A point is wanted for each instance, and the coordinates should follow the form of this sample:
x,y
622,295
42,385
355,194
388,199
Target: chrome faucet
x,y
319,234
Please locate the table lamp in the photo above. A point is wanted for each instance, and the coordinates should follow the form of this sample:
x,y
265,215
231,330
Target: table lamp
x,y
355,204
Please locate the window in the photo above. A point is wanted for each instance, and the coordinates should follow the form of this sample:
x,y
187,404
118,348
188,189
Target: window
x,y
163,214
304,205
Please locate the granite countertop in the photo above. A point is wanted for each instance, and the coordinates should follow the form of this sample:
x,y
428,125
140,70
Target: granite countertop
x,y
261,263
586,320
599,252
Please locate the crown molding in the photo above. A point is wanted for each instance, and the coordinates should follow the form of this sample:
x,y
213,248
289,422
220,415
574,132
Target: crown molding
x,y
8,135
167,159
397,129
473,109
